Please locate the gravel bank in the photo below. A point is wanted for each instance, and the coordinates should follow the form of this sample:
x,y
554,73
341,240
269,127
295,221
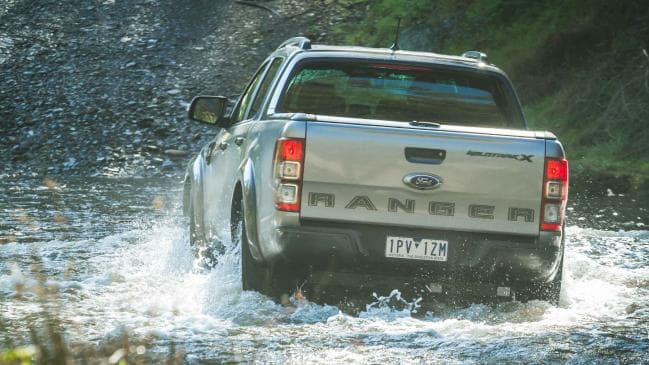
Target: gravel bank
x,y
100,88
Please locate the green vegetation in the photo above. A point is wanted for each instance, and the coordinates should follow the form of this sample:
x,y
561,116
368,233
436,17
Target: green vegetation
x,y
18,355
581,68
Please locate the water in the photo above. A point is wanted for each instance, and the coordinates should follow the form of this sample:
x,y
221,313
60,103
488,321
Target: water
x,y
6,44
114,256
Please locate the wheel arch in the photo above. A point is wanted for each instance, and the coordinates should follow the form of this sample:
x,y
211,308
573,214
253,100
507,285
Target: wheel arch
x,y
187,187
246,188
192,186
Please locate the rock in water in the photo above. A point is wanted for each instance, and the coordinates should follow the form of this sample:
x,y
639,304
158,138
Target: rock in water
x,y
176,153
167,165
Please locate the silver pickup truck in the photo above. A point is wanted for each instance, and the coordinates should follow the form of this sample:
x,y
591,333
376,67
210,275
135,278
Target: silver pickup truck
x,y
369,168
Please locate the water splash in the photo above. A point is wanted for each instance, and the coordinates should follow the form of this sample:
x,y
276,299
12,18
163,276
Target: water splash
x,y
392,305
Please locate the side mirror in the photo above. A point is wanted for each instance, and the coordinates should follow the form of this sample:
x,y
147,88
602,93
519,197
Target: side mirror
x,y
208,109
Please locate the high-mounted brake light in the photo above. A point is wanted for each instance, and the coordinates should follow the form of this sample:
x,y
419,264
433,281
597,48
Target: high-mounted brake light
x,y
288,163
398,67
555,194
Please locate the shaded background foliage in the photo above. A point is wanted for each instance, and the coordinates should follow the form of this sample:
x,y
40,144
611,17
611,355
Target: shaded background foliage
x,y
580,67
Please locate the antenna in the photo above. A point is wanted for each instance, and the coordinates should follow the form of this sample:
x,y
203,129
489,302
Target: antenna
x,y
395,45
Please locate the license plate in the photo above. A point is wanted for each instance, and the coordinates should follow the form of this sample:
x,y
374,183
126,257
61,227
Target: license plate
x,y
410,248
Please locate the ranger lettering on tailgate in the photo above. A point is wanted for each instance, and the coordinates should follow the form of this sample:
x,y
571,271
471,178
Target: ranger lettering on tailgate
x,y
394,205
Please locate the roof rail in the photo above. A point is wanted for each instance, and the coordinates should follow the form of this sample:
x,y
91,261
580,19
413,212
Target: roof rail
x,y
476,55
301,42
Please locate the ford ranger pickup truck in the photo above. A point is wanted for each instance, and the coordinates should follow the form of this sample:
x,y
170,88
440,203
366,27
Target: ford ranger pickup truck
x,y
370,168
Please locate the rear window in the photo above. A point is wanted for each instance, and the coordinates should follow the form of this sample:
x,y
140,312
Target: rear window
x,y
400,92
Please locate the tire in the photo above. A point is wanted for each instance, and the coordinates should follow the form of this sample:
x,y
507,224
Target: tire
x,y
549,292
254,275
273,280
553,290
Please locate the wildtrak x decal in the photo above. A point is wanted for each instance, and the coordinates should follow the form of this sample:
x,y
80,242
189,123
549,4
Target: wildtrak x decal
x,y
519,157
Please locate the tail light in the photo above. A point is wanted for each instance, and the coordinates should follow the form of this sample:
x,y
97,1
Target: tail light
x,y
288,166
555,194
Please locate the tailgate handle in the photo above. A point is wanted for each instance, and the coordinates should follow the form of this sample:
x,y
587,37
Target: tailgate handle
x,y
425,155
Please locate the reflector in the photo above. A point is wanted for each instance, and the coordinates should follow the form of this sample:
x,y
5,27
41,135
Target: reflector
x,y
289,170
551,213
287,193
553,190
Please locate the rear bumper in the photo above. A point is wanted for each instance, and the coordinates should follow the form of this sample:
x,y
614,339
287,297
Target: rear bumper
x,y
505,260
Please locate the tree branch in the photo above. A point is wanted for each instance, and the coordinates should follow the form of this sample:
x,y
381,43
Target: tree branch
x,y
257,5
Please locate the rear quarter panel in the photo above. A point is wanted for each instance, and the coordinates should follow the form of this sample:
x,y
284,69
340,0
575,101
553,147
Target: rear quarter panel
x,y
261,151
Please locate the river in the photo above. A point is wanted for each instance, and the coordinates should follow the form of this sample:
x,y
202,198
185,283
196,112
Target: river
x,y
108,261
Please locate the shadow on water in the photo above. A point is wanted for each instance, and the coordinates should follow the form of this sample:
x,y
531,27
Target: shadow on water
x,y
609,210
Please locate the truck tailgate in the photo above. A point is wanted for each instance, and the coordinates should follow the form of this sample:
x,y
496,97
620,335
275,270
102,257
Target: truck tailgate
x,y
489,182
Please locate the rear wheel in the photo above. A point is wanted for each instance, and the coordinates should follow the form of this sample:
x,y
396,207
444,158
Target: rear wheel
x,y
274,280
254,275
550,291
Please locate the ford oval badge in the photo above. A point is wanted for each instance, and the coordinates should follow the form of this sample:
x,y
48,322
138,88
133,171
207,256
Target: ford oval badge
x,y
422,181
